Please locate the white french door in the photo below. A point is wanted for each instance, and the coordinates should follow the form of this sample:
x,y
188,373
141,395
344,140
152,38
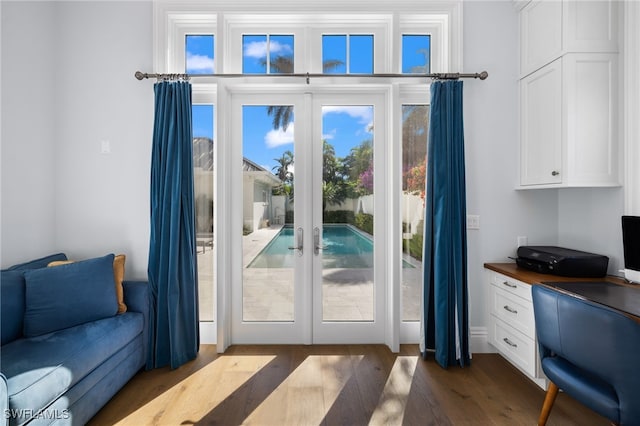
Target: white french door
x,y
308,222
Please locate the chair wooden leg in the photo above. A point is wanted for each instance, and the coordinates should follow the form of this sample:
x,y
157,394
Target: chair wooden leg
x,y
549,399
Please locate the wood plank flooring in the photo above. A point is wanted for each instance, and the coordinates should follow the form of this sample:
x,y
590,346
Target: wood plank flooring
x,y
334,385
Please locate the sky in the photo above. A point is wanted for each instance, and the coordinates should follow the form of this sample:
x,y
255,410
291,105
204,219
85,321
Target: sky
x,y
342,126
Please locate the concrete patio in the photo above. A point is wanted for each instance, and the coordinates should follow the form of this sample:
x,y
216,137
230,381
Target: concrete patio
x,y
268,293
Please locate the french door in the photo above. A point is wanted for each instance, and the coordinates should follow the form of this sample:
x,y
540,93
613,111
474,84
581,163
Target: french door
x,y
308,219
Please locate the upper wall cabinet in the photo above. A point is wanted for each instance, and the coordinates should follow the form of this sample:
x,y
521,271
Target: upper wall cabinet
x,y
568,123
549,29
569,94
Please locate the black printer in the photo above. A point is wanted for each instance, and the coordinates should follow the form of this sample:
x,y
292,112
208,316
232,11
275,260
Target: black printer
x,y
562,261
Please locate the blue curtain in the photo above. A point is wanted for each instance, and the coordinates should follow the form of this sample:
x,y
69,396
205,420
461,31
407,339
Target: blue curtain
x,y
445,317
173,336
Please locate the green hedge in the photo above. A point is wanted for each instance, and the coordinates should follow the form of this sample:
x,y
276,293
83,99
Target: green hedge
x,y
288,216
338,216
415,246
365,222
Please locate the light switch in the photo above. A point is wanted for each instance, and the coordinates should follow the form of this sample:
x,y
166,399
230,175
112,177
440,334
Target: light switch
x,y
105,147
473,221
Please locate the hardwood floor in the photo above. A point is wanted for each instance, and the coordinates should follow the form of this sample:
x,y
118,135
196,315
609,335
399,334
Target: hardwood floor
x,y
334,385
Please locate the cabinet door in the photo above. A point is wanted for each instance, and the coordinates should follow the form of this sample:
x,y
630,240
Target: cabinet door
x,y
591,126
541,126
540,34
590,26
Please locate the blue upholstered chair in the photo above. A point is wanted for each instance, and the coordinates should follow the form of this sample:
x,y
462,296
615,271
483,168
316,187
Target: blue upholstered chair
x,y
589,351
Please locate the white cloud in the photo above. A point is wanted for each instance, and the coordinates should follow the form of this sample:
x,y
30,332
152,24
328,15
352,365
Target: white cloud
x,y
363,113
258,49
330,135
199,62
278,137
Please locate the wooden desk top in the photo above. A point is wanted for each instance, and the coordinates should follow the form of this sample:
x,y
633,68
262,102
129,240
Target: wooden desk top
x,y
530,277
597,294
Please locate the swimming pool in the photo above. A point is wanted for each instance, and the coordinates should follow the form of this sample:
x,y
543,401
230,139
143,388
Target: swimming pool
x,y
344,247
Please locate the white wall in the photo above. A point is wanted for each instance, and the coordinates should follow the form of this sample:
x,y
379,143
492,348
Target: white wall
x,y
67,84
589,220
491,144
103,200
27,142
581,218
59,193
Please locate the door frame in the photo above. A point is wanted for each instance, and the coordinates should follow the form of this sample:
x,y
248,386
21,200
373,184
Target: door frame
x,y
385,328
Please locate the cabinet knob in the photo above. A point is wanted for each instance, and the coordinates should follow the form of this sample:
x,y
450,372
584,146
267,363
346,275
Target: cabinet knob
x,y
555,173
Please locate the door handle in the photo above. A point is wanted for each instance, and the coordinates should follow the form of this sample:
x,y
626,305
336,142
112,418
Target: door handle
x,y
316,241
299,241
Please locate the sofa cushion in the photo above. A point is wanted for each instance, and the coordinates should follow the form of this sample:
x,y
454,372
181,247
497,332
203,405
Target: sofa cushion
x,y
11,305
38,263
68,295
40,369
118,275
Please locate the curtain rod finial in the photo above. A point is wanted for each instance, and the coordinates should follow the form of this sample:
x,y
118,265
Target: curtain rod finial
x,y
139,75
483,75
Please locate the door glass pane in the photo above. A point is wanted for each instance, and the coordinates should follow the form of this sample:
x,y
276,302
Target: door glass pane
x,y
416,54
414,156
203,175
361,54
347,203
267,194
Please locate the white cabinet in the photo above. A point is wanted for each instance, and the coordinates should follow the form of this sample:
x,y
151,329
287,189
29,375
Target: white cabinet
x,y
512,325
540,34
569,95
550,29
541,126
569,123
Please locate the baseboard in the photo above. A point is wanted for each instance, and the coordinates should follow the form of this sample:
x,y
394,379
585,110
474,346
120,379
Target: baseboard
x,y
208,332
479,341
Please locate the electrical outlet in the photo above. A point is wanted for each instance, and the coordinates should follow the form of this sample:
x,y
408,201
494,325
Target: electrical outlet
x,y
473,221
522,241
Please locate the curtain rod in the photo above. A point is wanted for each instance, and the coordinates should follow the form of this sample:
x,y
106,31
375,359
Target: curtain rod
x,y
436,76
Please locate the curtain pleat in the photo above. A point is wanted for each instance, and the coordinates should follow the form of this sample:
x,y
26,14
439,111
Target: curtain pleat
x,y
445,318
174,334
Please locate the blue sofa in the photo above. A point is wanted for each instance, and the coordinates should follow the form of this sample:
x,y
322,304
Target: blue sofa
x,y
65,350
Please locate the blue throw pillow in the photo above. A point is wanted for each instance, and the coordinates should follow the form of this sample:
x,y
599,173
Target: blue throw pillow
x,y
38,263
69,295
11,305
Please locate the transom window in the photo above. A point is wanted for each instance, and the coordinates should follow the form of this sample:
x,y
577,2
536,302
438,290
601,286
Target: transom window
x,y
267,54
199,54
347,53
416,53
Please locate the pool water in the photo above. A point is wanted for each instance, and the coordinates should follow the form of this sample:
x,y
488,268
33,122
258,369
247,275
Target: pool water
x,y
344,247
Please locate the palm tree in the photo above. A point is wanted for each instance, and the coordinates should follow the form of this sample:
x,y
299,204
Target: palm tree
x,y
282,169
283,114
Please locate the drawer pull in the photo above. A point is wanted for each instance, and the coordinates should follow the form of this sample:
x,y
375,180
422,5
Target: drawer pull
x,y
508,284
510,343
510,309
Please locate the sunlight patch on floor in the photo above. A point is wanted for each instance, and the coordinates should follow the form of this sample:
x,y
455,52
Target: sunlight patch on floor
x,y
317,381
393,399
214,382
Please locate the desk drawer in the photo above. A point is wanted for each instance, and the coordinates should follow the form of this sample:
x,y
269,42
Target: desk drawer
x,y
511,285
513,345
512,309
